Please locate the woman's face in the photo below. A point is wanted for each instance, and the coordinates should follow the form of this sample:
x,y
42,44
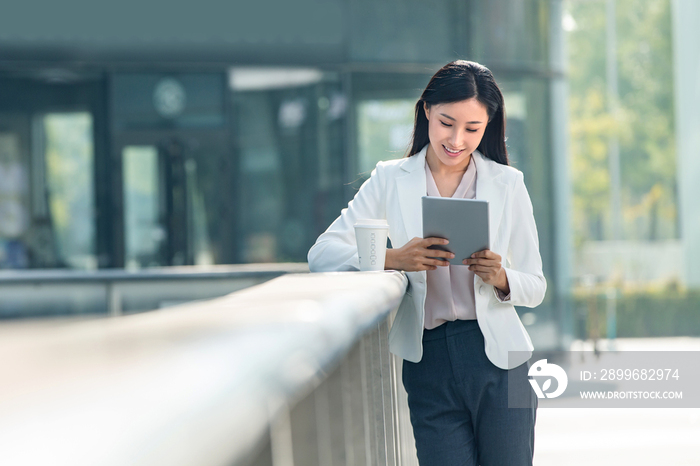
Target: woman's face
x,y
455,131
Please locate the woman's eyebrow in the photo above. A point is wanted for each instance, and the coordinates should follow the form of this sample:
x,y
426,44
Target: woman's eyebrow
x,y
469,122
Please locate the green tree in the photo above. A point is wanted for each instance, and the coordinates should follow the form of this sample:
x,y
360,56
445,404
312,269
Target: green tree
x,y
647,156
643,124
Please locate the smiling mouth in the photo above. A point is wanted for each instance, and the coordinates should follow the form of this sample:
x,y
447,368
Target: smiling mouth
x,y
451,152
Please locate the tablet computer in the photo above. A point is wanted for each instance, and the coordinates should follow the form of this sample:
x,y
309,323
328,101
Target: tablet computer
x,y
464,222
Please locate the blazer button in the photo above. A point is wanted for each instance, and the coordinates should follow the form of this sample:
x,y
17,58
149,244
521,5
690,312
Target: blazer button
x,y
482,290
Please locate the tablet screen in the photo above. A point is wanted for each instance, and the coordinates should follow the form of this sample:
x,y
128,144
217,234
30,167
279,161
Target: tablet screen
x,y
464,222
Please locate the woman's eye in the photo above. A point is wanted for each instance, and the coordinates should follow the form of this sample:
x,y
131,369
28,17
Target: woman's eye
x,y
450,126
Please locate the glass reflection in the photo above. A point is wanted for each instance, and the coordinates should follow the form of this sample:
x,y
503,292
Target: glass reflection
x,y
289,133
69,179
143,231
384,131
14,202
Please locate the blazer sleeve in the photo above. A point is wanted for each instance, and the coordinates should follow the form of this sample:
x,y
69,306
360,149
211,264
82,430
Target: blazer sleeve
x,y
525,278
336,248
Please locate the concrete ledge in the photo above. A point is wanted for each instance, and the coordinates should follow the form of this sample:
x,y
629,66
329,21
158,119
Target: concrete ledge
x,y
197,384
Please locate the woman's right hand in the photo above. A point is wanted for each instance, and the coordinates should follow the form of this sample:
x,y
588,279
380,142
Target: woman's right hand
x,y
415,256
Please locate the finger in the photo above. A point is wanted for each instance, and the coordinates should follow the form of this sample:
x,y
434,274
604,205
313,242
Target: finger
x,y
437,253
486,254
416,240
481,269
485,262
438,262
432,240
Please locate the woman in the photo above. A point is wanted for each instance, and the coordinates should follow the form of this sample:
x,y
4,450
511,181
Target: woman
x,y
456,328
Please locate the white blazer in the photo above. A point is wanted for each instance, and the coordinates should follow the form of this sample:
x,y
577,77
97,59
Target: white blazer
x,y
393,192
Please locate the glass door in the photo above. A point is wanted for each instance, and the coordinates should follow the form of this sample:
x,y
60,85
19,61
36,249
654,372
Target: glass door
x,y
47,190
144,233
165,217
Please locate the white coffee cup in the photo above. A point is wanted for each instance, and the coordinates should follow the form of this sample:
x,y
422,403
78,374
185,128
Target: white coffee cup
x,y
371,243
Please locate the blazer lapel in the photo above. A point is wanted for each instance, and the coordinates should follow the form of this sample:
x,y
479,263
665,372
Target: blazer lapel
x,y
490,188
411,188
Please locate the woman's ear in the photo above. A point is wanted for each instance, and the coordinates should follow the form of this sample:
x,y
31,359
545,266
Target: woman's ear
x,y
426,109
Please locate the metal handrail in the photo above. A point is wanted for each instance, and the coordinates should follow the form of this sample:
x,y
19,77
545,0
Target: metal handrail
x,y
32,293
188,272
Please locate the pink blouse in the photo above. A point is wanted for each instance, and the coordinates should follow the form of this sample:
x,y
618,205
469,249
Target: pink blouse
x,y
450,290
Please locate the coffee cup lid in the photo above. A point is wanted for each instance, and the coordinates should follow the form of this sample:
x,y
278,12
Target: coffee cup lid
x,y
371,223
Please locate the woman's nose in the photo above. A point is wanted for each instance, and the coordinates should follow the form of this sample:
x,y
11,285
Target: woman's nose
x,y
456,139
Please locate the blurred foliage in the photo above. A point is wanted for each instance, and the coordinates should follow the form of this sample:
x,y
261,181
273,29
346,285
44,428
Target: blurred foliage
x,y
643,123
664,312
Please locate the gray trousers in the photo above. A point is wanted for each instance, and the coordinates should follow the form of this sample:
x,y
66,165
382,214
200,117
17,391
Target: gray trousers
x,y
458,401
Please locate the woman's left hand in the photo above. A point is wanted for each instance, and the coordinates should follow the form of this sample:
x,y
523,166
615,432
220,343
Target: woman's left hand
x,y
487,265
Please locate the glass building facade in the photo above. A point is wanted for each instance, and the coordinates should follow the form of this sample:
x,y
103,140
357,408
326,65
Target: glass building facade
x,y
219,134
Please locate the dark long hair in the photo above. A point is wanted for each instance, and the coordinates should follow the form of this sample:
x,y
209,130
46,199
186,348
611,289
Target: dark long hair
x,y
463,80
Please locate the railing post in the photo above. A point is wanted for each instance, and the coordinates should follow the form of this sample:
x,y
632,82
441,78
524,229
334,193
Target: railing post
x,y
114,299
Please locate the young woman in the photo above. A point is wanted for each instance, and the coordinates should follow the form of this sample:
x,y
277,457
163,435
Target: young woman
x,y
456,329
